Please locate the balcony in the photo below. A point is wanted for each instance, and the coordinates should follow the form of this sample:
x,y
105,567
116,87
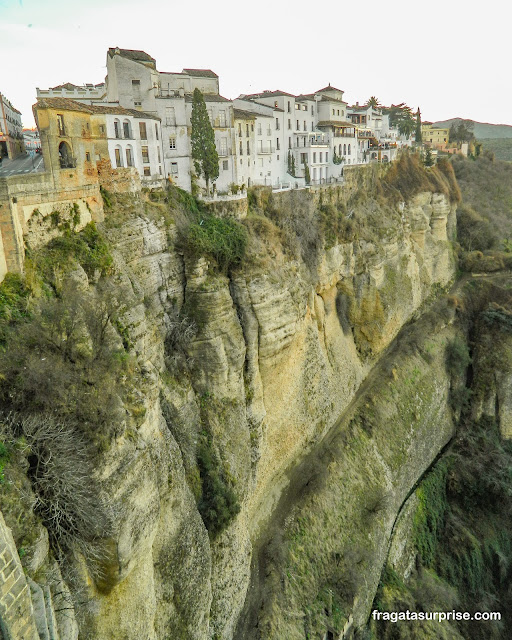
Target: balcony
x,y
223,153
265,148
318,142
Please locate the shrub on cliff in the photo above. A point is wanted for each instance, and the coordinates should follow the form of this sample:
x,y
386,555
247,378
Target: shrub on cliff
x,y
222,239
218,503
474,232
67,359
88,248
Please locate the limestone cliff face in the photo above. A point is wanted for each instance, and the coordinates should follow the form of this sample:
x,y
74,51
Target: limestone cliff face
x,y
279,354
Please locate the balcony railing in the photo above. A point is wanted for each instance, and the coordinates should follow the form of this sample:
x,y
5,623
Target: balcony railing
x,y
268,148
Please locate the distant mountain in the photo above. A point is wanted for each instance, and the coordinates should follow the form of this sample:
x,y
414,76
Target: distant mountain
x,y
482,129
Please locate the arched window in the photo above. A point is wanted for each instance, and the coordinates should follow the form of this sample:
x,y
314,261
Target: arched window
x,y
129,156
340,150
117,128
118,156
348,149
127,132
66,159
344,149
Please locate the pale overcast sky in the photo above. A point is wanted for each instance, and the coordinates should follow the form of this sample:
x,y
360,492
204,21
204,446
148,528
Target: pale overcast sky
x,y
451,57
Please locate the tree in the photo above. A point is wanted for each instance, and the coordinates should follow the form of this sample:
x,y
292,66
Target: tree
x,y
307,175
373,102
462,131
401,117
419,138
204,152
428,160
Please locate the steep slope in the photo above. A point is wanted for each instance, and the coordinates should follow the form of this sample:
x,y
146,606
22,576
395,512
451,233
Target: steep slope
x,y
233,367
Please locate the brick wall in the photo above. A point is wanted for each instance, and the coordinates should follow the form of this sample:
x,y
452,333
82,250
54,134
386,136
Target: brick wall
x,y
16,612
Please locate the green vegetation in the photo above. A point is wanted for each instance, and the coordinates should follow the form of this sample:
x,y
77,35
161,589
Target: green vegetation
x,y
202,140
87,248
457,357
501,149
430,516
14,297
222,239
408,177
218,503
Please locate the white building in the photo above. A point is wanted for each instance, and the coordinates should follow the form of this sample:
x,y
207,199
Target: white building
x,y
134,82
11,130
31,139
134,140
87,93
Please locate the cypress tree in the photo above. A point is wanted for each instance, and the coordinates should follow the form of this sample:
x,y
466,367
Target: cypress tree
x,y
419,138
202,138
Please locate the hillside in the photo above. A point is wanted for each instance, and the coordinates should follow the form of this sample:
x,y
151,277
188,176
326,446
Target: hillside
x,y
482,129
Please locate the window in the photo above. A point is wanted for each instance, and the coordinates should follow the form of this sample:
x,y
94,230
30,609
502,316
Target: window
x,y
87,156
119,161
334,112
298,125
239,128
326,156
305,127
224,147
174,168
303,157
126,129
289,123
338,112
289,143
170,116
277,144
312,126
289,106
225,164
145,154
156,131
158,153
312,110
143,131
259,128
304,107
136,89
247,130
241,148
60,124
172,142
321,156
297,106
349,150
252,127
147,171
102,128
277,124
129,157
222,118
160,170
248,148
314,156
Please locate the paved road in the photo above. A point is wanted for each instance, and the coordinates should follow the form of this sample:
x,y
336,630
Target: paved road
x,y
22,164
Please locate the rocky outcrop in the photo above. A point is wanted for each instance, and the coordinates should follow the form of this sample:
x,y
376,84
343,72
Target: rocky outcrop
x,y
277,356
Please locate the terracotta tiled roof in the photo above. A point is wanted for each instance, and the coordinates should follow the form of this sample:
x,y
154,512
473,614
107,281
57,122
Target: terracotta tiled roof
x,y
334,123
244,114
208,97
131,54
328,88
65,104
269,94
200,73
328,99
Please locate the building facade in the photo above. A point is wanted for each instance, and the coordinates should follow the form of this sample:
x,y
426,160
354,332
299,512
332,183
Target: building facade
x,y
11,130
78,135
